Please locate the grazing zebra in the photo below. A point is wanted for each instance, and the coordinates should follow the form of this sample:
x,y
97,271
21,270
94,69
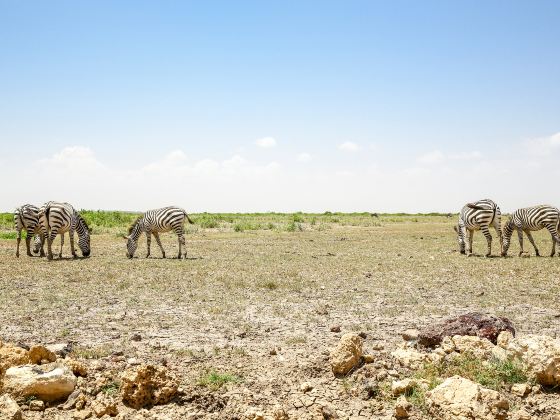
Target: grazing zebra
x,y
59,218
531,219
155,222
478,216
27,217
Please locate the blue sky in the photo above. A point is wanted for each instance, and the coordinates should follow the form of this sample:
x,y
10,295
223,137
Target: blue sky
x,y
385,106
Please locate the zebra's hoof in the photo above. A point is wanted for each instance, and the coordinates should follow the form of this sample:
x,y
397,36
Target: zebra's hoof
x,y
17,255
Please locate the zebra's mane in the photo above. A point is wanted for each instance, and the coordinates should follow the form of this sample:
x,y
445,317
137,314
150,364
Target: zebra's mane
x,y
131,228
83,221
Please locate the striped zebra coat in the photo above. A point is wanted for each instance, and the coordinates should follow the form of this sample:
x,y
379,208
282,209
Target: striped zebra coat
x,y
58,218
155,222
26,218
531,219
478,216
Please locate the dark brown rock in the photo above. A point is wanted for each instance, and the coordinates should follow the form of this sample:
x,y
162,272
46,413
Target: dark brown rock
x,y
474,323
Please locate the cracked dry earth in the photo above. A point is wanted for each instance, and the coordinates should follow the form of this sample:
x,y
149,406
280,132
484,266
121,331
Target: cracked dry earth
x,y
261,305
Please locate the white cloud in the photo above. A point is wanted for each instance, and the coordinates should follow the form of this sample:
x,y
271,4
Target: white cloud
x,y
466,155
349,146
543,146
431,158
266,142
303,157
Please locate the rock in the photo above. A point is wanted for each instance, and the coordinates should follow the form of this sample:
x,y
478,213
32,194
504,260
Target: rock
x,y
147,385
369,358
402,408
410,335
133,361
273,352
520,389
474,323
401,387
60,349
50,382
328,412
335,328
82,415
104,405
479,347
136,337
39,353
278,413
521,415
539,354
410,358
36,405
9,410
12,356
347,354
460,398
78,368
305,387
72,399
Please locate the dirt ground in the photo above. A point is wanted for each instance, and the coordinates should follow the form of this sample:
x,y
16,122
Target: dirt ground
x,y
260,305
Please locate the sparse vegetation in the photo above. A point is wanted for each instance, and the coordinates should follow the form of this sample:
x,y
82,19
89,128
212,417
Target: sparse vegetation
x,y
215,380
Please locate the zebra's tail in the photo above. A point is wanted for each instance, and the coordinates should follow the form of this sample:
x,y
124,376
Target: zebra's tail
x,y
189,219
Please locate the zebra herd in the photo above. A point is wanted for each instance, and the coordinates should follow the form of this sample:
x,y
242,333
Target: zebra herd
x,y
484,214
53,218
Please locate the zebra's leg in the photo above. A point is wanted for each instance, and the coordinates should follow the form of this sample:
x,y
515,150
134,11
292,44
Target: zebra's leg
x,y
158,240
520,236
28,242
148,242
553,246
498,228
72,247
42,251
528,233
488,237
18,242
470,236
50,239
555,238
61,245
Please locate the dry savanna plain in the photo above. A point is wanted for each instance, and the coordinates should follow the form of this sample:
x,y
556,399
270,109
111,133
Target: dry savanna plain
x,y
247,322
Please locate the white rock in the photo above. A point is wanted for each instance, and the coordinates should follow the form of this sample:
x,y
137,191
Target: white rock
x,y
409,357
51,382
9,410
347,354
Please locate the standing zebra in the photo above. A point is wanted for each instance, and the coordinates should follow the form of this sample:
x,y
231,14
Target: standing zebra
x,y
27,217
479,216
531,219
59,218
155,222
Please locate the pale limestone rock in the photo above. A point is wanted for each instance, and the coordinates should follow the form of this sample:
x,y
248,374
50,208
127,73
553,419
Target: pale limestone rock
x,y
401,387
479,347
410,358
9,410
51,382
402,408
147,385
12,356
104,405
461,399
520,390
38,354
347,354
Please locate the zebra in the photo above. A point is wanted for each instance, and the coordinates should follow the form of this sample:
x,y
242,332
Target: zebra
x,y
531,219
59,218
478,216
155,222
27,217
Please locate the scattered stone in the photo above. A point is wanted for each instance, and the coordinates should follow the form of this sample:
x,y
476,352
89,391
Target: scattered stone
x,y
328,412
82,415
147,385
370,390
520,390
479,347
278,413
39,353
474,323
401,387
410,335
77,367
369,358
273,352
9,410
521,415
12,356
60,349
410,358
136,337
50,382
458,397
402,408
363,334
305,387
540,355
104,405
335,328
347,354
36,405
133,361
72,399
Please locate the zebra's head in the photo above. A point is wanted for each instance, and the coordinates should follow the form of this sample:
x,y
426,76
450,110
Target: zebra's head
x,y
83,236
508,230
460,237
37,244
132,238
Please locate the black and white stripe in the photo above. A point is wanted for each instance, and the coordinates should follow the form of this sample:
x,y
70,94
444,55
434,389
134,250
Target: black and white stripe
x,y
478,216
59,218
155,222
531,219
26,218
